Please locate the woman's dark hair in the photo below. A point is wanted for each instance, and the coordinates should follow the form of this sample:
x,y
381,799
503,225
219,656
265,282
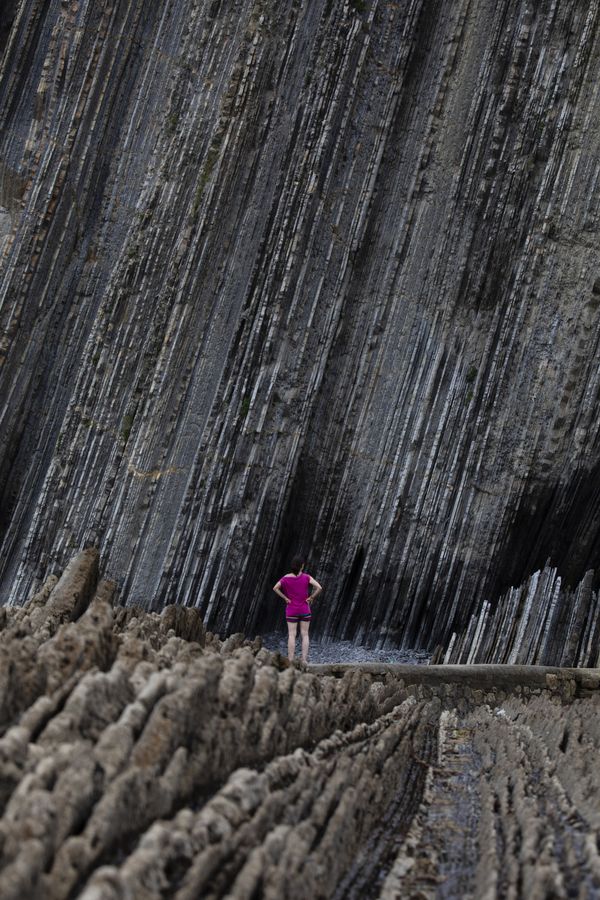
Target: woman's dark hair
x,y
297,563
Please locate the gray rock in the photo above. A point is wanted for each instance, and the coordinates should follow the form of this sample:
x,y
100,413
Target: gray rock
x,y
144,765
321,279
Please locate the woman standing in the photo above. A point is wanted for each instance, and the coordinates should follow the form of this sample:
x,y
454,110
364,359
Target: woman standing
x,y
294,588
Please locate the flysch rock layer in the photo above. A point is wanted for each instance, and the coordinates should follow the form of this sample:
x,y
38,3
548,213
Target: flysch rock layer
x,y
303,274
539,623
143,758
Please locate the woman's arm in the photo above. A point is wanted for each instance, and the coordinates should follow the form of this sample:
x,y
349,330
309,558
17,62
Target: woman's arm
x,y
316,589
279,592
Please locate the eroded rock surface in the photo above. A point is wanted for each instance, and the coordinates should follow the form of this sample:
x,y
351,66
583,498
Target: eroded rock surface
x,y
147,759
540,623
317,274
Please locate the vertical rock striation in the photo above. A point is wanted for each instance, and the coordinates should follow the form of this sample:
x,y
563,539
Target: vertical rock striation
x,y
538,623
317,275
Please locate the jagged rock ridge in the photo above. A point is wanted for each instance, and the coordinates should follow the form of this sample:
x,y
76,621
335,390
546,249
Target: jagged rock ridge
x,y
142,757
315,275
539,623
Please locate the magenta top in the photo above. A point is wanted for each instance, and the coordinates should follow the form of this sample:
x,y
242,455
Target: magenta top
x,y
295,588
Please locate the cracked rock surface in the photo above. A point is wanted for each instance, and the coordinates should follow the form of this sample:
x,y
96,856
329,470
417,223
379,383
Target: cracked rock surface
x,y
145,758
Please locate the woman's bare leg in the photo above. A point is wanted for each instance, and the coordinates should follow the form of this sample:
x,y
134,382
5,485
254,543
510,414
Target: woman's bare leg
x,y
292,628
304,626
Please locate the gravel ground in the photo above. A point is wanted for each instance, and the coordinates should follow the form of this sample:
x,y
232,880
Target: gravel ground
x,y
345,652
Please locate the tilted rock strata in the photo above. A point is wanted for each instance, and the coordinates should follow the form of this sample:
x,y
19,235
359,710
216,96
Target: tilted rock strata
x,y
145,764
124,737
503,812
314,274
538,623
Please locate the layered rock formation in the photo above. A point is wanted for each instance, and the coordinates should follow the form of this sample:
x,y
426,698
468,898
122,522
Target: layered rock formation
x,y
141,757
318,275
539,623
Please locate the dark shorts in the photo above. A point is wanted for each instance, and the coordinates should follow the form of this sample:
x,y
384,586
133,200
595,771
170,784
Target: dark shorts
x,y
303,617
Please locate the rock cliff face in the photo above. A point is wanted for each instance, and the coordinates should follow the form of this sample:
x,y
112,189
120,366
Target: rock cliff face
x,y
538,623
317,275
142,758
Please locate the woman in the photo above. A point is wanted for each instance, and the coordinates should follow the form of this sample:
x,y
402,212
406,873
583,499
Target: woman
x,y
294,588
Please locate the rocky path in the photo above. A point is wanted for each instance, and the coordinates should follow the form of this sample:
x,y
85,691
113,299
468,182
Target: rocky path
x,y
141,757
327,652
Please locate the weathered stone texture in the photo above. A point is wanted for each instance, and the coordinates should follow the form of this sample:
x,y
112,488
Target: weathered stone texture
x,y
142,765
317,274
538,623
